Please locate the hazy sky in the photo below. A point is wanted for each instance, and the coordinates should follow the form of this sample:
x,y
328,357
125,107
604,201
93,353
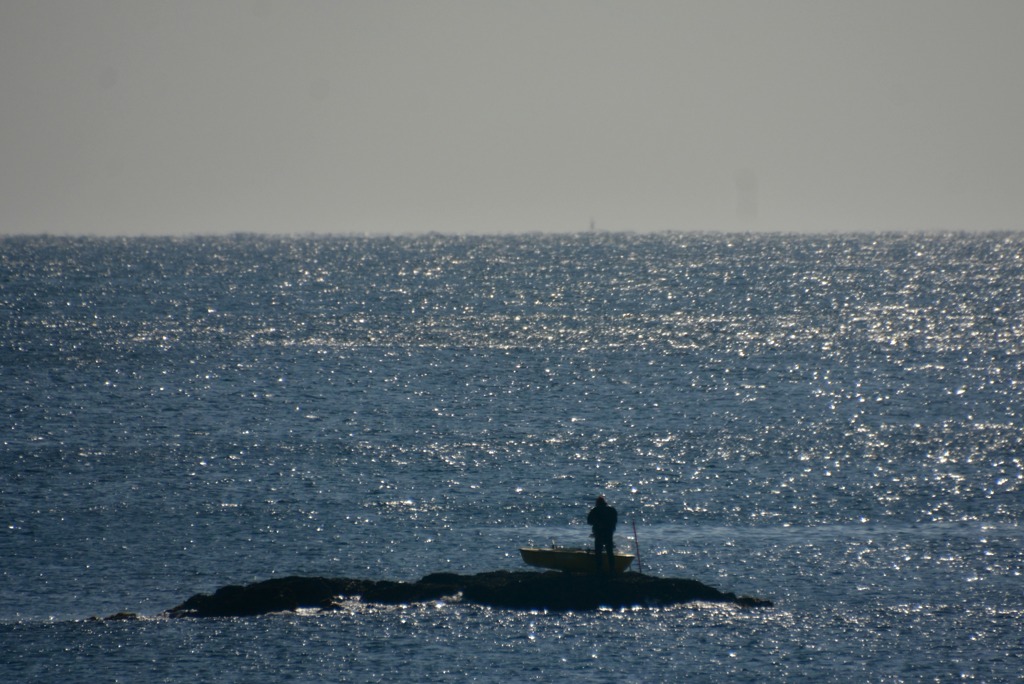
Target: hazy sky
x,y
214,116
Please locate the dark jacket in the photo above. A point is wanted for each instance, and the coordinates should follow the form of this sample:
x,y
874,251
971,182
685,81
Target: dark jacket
x,y
603,518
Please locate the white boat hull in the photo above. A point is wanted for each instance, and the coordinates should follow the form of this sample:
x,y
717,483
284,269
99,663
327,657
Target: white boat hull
x,y
573,560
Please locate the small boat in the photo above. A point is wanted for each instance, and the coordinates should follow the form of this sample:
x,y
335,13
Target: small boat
x,y
573,560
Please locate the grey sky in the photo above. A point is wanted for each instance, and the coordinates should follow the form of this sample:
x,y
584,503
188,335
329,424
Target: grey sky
x,y
214,116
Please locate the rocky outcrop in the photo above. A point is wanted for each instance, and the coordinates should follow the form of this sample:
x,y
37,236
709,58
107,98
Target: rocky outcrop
x,y
519,590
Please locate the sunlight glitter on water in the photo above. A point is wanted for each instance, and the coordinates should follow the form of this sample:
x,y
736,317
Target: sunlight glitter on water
x,y
831,422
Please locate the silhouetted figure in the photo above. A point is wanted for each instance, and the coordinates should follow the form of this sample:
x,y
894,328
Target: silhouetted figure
x,y
603,519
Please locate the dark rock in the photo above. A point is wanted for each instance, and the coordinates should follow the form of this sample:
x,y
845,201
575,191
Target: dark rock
x,y
503,589
563,591
117,617
270,596
402,592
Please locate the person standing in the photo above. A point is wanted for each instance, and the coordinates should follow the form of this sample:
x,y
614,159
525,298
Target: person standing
x,y
603,519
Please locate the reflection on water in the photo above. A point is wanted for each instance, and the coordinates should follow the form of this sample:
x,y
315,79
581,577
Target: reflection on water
x,y
833,423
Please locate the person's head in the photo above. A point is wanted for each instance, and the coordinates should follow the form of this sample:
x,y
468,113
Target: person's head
x,y
601,501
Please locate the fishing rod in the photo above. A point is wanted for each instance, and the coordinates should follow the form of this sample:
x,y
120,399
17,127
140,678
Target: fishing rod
x,y
636,544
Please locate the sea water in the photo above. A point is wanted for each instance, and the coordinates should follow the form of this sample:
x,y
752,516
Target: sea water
x,y
830,422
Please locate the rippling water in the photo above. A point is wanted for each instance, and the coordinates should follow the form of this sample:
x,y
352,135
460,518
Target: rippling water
x,y
834,423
